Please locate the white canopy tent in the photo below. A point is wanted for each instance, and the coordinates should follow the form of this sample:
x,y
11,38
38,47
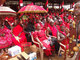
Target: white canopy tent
x,y
6,11
67,7
71,10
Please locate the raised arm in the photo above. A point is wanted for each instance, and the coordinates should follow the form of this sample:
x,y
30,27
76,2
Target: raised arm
x,y
60,36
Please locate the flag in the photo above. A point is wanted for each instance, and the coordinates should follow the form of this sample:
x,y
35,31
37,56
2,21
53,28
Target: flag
x,y
46,5
73,4
62,3
20,3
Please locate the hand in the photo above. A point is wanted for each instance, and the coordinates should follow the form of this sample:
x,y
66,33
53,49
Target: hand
x,y
41,45
53,37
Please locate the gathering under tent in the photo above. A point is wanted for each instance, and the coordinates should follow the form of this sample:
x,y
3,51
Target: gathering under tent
x,y
39,30
6,11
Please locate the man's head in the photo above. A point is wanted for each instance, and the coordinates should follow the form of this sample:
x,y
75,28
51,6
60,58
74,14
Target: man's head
x,y
77,9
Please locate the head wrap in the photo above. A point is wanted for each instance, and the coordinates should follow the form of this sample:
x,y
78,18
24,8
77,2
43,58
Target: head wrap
x,y
36,25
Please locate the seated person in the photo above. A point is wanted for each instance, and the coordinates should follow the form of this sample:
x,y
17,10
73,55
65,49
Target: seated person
x,y
52,30
5,37
63,38
40,37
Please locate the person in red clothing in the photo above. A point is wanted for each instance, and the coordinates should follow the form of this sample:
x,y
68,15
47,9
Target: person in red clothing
x,y
40,36
18,34
5,37
63,37
47,22
52,30
57,24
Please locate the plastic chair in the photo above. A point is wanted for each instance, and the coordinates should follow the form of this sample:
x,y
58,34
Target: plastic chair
x,y
39,48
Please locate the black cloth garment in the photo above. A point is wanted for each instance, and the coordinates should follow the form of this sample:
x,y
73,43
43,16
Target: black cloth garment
x,y
29,27
7,25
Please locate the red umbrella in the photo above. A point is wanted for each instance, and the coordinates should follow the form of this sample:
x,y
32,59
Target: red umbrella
x,y
32,9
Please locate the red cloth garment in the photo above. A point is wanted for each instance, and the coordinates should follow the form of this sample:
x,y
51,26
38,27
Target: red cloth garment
x,y
16,31
58,27
46,25
41,35
67,25
53,30
43,39
69,17
65,42
5,40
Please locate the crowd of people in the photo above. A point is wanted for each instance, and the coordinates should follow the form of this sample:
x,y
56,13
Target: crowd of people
x,y
51,31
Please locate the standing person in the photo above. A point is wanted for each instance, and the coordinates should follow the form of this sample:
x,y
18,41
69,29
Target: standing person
x,y
18,34
40,36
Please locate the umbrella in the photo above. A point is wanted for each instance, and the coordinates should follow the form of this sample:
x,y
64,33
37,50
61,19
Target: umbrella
x,y
32,9
6,11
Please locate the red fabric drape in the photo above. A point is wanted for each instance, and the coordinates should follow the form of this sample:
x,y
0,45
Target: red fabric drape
x,y
62,3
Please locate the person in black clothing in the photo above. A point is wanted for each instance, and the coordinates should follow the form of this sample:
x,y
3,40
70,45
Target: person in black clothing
x,y
29,28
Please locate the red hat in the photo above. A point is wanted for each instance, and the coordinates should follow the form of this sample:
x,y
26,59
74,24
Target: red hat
x,y
6,18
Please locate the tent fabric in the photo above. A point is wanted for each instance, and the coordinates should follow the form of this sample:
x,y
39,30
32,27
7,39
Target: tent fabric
x,y
6,11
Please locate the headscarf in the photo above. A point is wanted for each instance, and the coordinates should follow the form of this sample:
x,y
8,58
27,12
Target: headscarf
x,y
36,25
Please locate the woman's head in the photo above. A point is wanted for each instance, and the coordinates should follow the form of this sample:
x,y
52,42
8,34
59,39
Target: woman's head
x,y
37,26
16,21
62,28
51,22
77,9
57,22
47,19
